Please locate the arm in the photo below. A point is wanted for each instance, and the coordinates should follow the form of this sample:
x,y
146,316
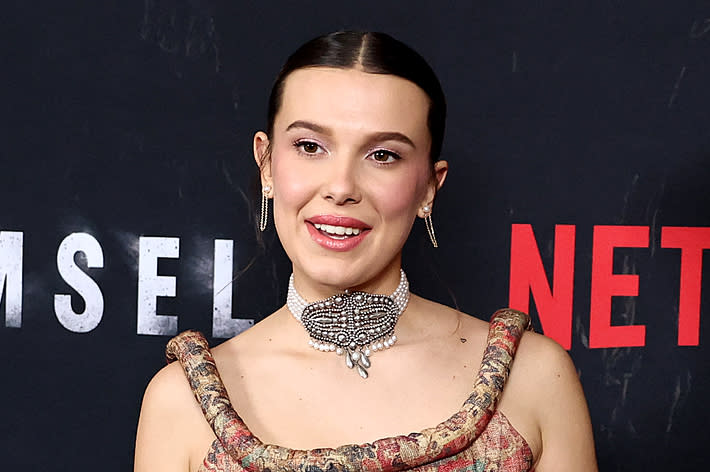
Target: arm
x,y
160,440
562,414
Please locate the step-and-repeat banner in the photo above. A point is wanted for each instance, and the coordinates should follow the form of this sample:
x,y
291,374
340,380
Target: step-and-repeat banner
x,y
579,146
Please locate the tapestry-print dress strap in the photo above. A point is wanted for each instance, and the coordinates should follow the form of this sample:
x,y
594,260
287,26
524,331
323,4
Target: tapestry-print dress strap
x,y
388,454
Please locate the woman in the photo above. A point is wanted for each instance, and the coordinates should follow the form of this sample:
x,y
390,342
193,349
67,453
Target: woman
x,y
350,158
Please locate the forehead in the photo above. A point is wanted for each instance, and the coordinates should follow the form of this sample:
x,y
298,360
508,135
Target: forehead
x,y
351,99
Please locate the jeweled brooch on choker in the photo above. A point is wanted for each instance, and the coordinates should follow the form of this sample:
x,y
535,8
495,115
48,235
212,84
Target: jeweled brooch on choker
x,y
351,324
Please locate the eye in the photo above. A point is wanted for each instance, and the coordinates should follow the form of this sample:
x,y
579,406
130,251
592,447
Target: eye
x,y
382,156
308,147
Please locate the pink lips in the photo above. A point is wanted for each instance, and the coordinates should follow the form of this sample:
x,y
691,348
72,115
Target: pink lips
x,y
336,244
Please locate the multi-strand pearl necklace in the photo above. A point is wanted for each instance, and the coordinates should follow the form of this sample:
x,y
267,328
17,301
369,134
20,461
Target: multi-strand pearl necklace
x,y
354,324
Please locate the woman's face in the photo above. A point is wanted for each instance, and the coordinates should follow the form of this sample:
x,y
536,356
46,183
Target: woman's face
x,y
350,171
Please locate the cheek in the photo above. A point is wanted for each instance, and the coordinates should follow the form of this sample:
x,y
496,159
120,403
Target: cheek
x,y
293,186
400,195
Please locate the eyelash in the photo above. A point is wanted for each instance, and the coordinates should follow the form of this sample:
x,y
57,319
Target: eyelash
x,y
298,144
391,154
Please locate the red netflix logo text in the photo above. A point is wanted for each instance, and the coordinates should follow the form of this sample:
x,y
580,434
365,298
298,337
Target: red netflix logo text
x,y
554,301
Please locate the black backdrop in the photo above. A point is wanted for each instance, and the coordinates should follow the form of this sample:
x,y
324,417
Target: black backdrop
x,y
135,119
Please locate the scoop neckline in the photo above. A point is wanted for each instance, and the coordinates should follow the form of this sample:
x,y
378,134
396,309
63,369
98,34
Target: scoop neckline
x,y
444,439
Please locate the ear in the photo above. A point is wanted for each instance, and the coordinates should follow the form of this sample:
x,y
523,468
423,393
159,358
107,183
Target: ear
x,y
441,169
262,156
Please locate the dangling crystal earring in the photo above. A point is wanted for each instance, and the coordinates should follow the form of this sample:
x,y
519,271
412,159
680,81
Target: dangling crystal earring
x,y
264,217
429,225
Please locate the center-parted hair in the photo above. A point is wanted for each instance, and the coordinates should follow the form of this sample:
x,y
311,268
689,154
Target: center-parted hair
x,y
371,52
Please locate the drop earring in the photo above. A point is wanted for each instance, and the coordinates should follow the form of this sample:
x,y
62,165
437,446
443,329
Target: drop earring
x,y
429,225
264,216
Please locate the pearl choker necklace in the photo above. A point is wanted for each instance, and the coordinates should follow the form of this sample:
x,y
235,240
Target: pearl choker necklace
x,y
353,324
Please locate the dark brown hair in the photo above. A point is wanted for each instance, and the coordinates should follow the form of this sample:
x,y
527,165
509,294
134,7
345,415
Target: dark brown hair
x,y
372,52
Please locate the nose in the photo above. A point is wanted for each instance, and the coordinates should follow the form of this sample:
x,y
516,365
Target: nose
x,y
341,185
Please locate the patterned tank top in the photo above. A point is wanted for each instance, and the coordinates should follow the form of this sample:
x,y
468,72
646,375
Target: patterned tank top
x,y
477,438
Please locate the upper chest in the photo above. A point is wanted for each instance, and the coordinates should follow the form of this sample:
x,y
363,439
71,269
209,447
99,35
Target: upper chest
x,y
409,388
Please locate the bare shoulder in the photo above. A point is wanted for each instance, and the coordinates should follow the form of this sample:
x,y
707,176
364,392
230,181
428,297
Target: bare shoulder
x,y
171,427
543,360
168,392
546,399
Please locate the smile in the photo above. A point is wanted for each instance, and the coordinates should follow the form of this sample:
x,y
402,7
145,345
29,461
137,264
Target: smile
x,y
337,233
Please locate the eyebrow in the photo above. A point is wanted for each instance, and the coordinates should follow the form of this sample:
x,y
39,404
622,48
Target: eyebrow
x,y
378,136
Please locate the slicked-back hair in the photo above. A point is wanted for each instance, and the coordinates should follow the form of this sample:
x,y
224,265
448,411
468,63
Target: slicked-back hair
x,y
371,52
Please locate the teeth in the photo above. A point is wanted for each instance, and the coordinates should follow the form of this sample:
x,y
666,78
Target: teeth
x,y
338,230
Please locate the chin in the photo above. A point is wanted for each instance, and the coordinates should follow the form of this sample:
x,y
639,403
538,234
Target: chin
x,y
342,273
337,274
